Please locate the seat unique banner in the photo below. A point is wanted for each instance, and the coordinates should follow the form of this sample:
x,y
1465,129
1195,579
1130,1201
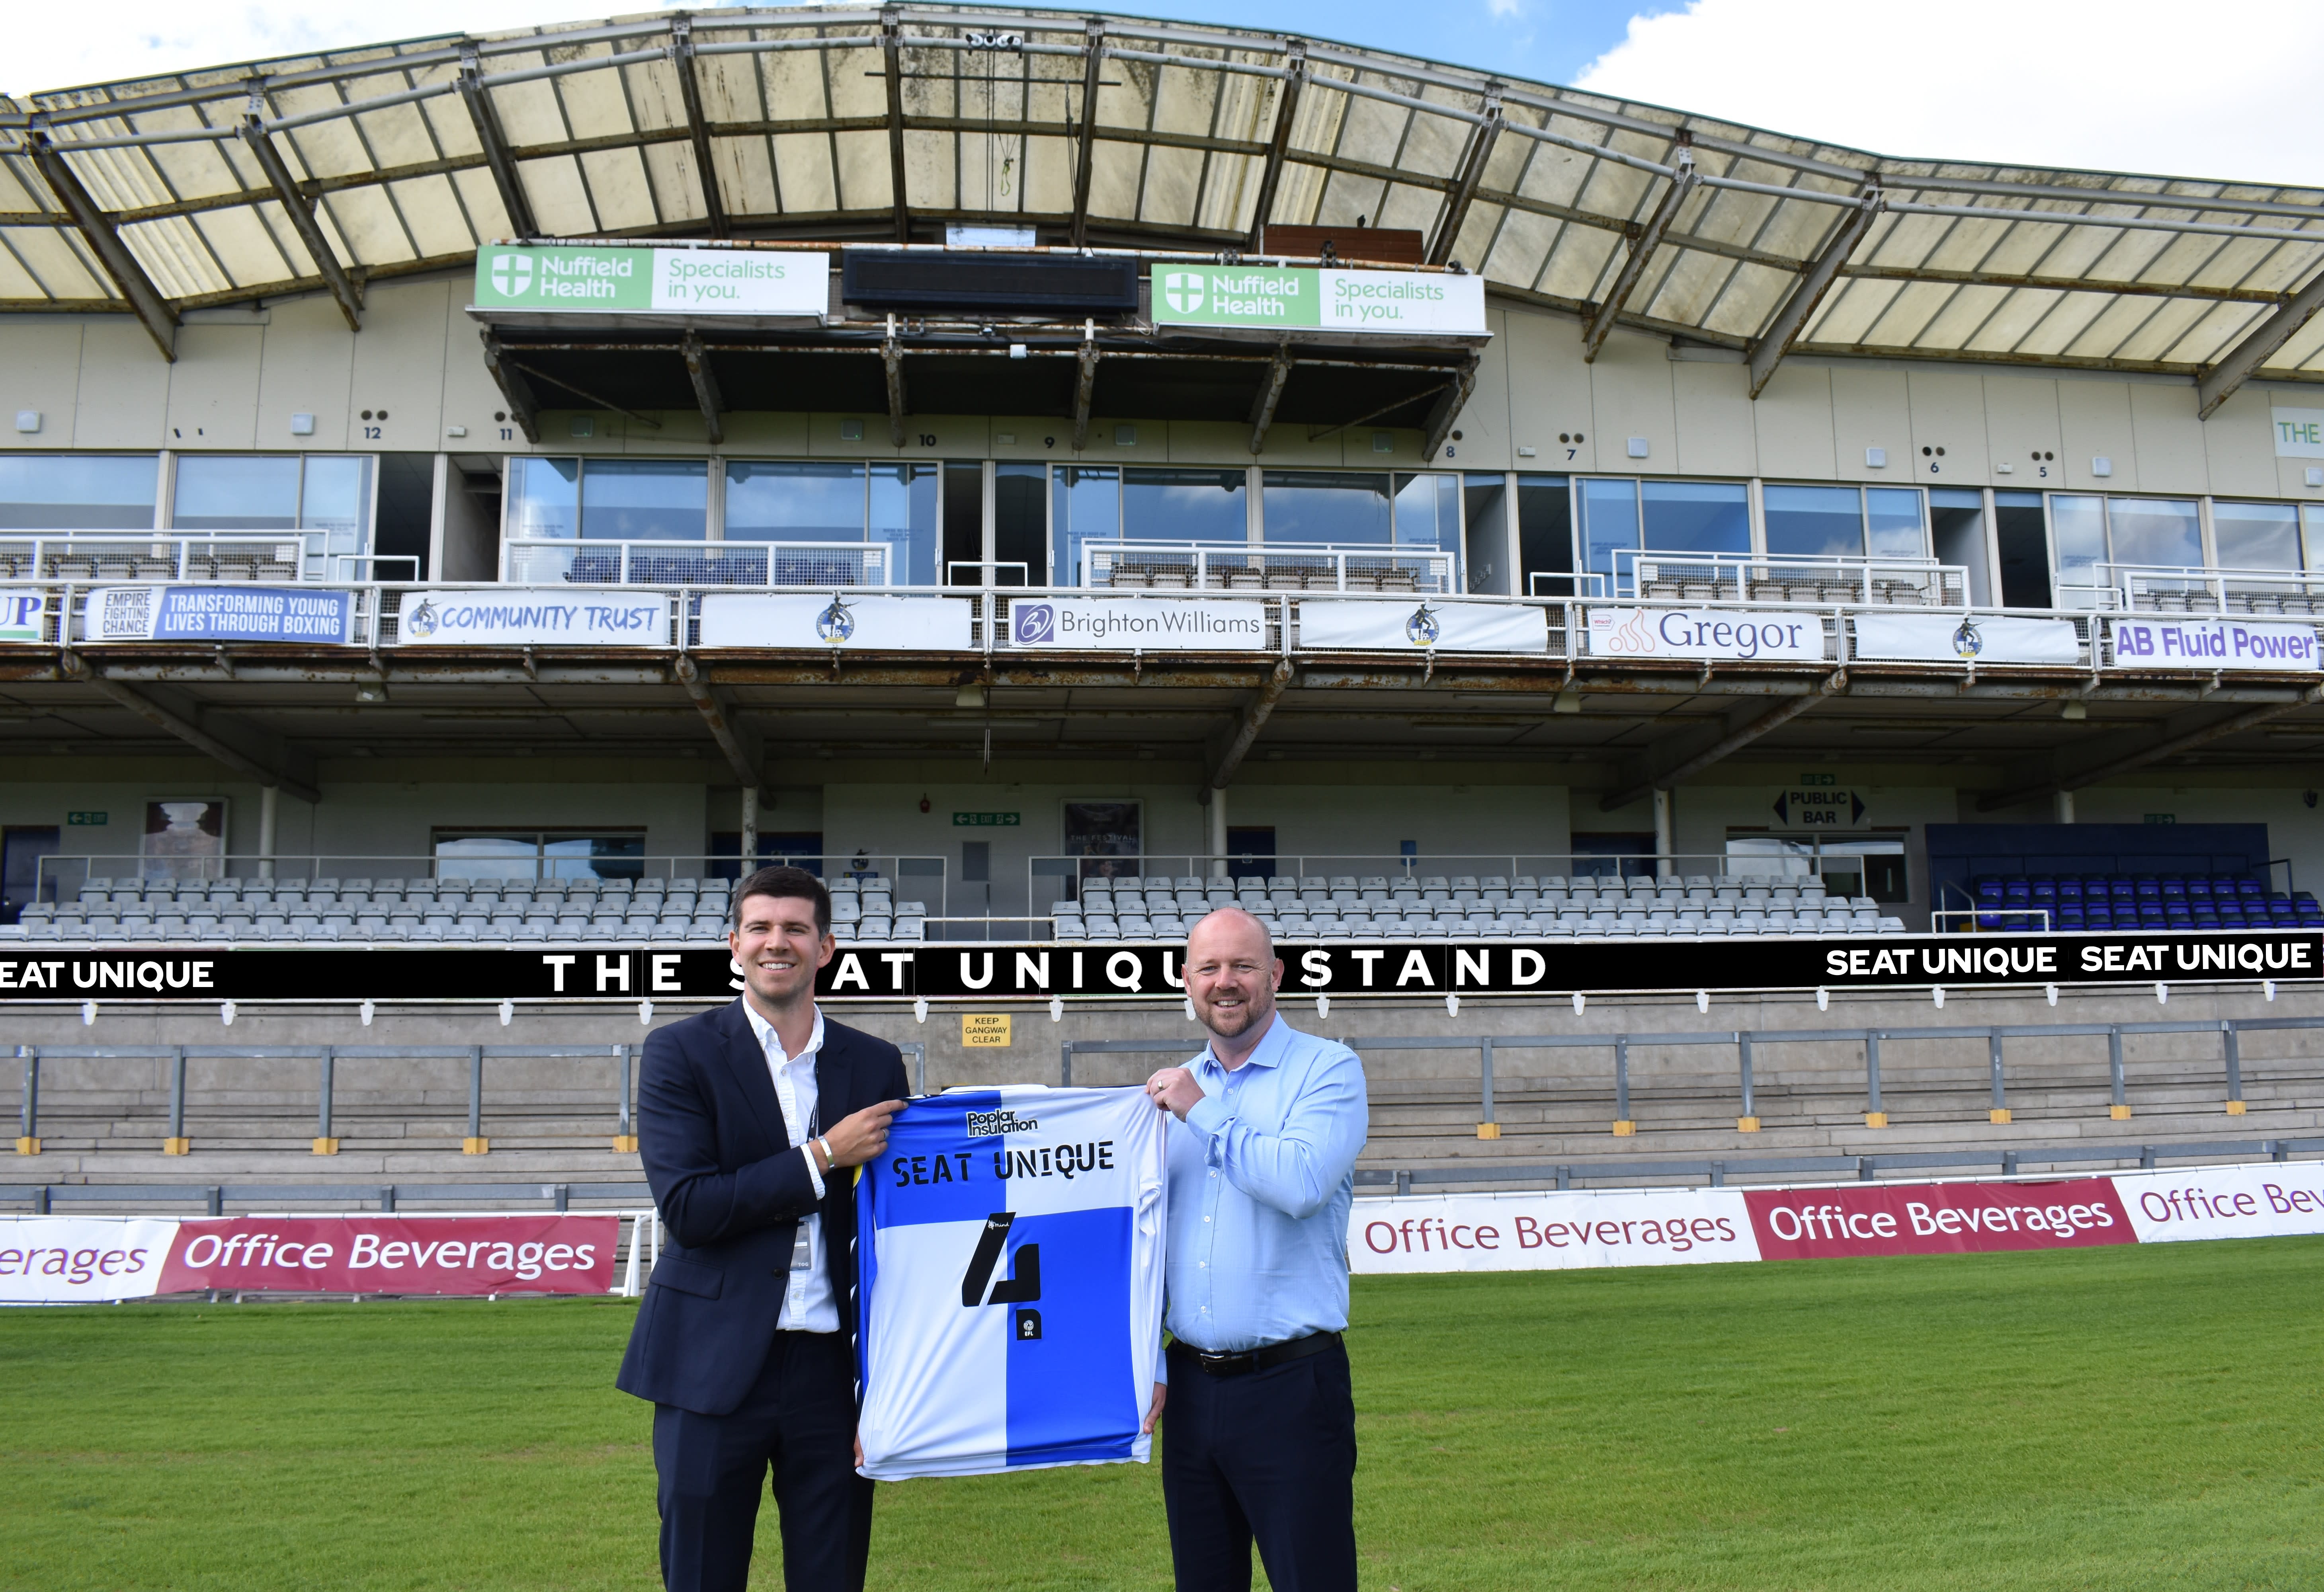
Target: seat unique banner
x,y
1413,970
1578,1230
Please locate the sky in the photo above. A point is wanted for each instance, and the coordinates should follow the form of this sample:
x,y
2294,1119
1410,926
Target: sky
x,y
2110,84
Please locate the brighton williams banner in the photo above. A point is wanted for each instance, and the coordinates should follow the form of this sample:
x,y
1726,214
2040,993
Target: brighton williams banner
x,y
1409,970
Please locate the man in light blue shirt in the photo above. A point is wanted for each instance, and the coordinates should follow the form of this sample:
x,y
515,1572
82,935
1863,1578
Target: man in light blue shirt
x,y
1261,1445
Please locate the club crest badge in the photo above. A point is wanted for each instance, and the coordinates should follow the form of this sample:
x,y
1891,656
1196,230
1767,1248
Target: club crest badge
x,y
1421,629
1968,642
835,625
421,620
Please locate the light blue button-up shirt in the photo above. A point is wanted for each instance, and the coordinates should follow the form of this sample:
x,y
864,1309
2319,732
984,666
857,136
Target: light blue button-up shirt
x,y
1262,1173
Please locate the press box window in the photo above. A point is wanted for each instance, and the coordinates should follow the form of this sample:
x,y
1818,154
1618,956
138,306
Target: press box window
x,y
78,492
538,854
327,494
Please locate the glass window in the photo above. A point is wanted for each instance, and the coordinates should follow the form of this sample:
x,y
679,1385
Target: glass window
x,y
1696,515
544,498
78,492
2311,528
1545,536
1892,517
2078,524
775,501
1609,521
1331,507
336,499
1428,511
236,492
488,856
645,499
2159,532
1957,531
1814,521
1485,551
2257,536
1184,506
525,854
1084,506
905,506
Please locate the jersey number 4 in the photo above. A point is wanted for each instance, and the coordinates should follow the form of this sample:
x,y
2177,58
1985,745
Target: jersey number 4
x,y
1021,1289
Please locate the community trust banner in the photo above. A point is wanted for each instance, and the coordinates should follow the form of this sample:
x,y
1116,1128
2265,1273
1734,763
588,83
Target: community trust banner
x,y
88,1260
1570,1231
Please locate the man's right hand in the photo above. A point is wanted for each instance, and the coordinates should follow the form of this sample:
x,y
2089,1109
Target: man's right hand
x,y
854,1140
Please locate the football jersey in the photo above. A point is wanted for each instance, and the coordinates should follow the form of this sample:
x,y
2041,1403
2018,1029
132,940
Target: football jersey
x,y
1009,1260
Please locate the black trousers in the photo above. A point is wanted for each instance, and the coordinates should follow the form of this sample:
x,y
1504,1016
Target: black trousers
x,y
1268,1457
799,1421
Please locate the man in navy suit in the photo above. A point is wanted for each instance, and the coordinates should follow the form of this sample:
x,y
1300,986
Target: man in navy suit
x,y
751,1120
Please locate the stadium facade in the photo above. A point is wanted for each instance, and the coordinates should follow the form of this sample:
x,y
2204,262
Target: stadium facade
x,y
981,452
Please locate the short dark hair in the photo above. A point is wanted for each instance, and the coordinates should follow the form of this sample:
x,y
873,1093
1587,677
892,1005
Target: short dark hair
x,y
784,883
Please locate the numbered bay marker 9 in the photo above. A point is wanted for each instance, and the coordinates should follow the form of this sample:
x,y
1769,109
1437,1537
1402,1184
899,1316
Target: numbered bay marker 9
x,y
984,1029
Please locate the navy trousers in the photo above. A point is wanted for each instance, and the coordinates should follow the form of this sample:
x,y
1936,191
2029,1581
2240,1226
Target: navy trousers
x,y
799,1422
1266,1457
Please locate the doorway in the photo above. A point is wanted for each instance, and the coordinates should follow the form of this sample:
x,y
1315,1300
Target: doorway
x,y
2022,536
1957,531
21,884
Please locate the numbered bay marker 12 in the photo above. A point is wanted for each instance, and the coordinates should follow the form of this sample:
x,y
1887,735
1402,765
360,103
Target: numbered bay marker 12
x,y
984,1029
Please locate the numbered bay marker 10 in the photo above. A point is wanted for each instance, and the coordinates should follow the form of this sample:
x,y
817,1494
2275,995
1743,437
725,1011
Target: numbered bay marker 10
x,y
984,1029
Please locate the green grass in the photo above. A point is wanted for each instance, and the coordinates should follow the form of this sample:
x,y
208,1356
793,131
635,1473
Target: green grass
x,y
2131,1418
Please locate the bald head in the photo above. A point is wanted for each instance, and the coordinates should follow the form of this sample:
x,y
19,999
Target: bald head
x,y
1231,977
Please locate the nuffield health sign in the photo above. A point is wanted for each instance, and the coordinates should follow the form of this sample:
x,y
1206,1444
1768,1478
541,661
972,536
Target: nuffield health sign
x,y
691,281
1300,300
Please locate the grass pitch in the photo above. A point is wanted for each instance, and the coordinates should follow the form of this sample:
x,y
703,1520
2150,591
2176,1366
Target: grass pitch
x,y
2148,1418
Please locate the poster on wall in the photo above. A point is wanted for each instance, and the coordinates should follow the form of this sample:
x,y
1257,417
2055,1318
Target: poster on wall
x,y
891,624
1977,637
184,840
217,613
1443,627
1108,836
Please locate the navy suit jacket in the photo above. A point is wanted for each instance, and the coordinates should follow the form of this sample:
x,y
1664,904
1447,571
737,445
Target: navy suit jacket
x,y
732,1189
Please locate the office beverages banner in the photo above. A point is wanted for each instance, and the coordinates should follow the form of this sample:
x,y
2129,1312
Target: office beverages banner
x,y
1944,638
2146,641
1705,633
738,619
692,281
219,613
1446,627
521,616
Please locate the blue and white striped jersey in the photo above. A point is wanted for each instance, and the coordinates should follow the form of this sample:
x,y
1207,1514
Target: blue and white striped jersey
x,y
1010,1254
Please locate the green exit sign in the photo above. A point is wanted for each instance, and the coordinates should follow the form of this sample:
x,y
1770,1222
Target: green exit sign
x,y
2163,817
1819,778
985,820
88,819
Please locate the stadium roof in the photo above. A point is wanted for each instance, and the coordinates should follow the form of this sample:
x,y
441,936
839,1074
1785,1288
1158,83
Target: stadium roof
x,y
322,172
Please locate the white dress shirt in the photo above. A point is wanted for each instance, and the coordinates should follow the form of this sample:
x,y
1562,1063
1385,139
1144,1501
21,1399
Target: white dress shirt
x,y
808,1304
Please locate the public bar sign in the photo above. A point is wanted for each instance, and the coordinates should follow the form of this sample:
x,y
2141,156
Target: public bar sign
x,y
2155,642
672,282
218,613
518,616
1278,297
1730,633
1138,624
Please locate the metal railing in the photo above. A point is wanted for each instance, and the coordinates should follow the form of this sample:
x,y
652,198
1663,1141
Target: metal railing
x,y
112,558
820,566
2259,592
1190,567
1794,578
1063,874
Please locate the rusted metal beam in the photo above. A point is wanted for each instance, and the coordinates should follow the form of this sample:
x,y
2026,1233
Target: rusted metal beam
x,y
1447,409
1086,156
1601,324
1278,145
301,211
697,128
2219,383
523,408
1467,173
891,45
1255,715
1271,393
891,360
705,385
1085,386
600,400
497,159
1677,765
146,300
186,731
2161,747
718,716
1814,282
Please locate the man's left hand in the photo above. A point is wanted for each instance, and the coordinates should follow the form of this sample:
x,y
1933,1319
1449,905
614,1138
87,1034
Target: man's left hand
x,y
1154,1410
1175,1090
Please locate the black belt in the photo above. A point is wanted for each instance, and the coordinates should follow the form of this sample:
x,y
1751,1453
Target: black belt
x,y
1244,1362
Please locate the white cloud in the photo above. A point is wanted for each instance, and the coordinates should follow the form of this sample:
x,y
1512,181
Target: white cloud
x,y
1505,7
2225,91
59,46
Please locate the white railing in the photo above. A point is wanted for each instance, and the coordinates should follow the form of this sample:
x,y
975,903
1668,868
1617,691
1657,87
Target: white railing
x,y
2156,589
1820,579
1185,566
818,564
111,557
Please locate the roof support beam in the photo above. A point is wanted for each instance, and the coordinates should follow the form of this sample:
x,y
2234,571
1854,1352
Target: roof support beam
x,y
697,128
2176,737
1815,282
523,408
161,321
1447,409
891,44
705,385
1085,157
497,159
892,359
1271,393
296,204
1466,176
1594,331
1084,385
1287,109
1255,715
191,733
2219,383
718,716
1682,757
